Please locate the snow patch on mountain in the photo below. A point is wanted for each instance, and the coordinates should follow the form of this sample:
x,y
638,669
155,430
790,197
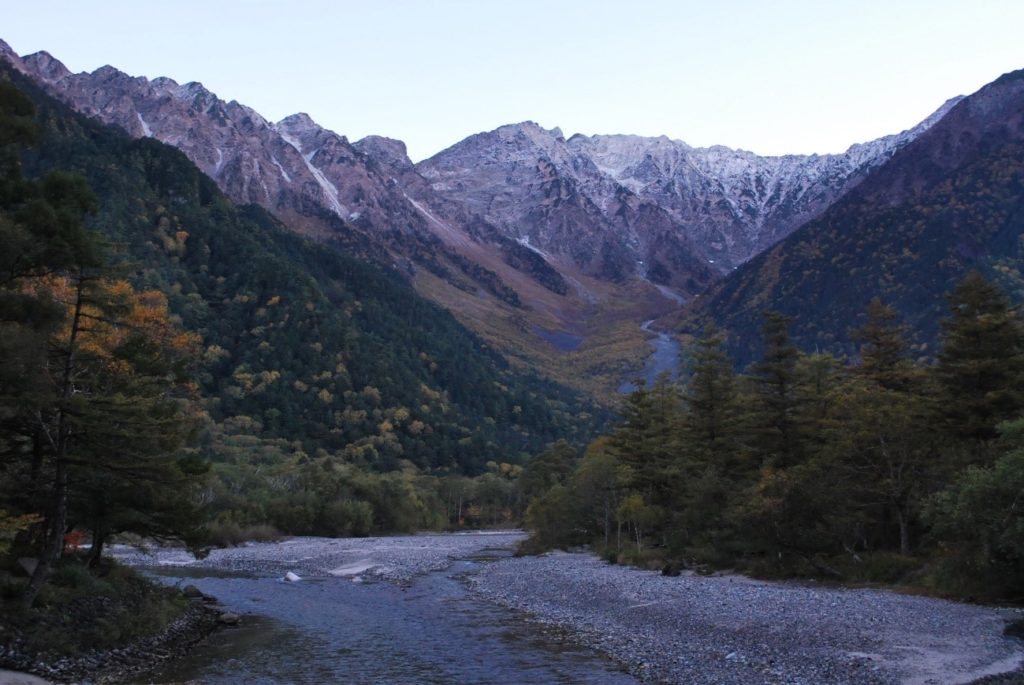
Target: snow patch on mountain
x,y
284,174
330,190
146,130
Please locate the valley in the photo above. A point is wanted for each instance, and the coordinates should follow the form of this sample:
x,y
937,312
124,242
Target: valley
x,y
543,406
514,230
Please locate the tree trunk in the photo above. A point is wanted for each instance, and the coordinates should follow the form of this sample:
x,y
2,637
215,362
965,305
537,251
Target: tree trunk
x,y
53,545
607,522
904,525
59,439
99,536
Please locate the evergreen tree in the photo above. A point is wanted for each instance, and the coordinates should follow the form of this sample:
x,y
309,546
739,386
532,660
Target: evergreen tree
x,y
647,439
774,412
980,371
712,415
87,411
883,348
713,463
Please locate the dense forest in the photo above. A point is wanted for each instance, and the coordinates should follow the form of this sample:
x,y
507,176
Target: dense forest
x,y
177,367
874,469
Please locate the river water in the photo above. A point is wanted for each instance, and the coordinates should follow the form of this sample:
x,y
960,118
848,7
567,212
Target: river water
x,y
333,630
664,357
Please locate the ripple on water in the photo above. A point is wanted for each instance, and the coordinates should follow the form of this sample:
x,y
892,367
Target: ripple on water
x,y
332,630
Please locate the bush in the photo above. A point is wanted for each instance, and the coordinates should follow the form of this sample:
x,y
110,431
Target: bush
x,y
884,567
81,610
346,518
74,575
229,533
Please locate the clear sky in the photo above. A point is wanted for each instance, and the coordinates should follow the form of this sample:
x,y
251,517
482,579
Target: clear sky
x,y
771,76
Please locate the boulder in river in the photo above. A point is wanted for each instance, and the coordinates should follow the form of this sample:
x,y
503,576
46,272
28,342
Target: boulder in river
x,y
291,577
192,592
229,619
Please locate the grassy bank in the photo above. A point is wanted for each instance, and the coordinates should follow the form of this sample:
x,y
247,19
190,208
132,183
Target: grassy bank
x,y
101,625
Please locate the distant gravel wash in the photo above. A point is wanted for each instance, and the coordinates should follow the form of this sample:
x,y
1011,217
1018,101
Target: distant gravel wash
x,y
731,629
398,558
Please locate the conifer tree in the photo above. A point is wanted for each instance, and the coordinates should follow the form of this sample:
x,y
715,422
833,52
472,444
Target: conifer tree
x,y
883,348
980,371
774,412
647,439
711,420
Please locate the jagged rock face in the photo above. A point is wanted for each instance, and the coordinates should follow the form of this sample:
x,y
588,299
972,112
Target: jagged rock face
x,y
539,191
948,202
643,196
293,167
612,207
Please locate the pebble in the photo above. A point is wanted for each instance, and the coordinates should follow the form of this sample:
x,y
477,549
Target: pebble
x,y
731,630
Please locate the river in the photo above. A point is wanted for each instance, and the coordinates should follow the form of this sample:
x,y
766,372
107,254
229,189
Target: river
x,y
664,357
334,630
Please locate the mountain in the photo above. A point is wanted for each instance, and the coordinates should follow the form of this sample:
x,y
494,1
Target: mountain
x,y
733,203
530,239
306,350
619,206
948,202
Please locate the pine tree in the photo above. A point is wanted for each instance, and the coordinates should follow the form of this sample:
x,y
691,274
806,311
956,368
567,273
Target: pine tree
x,y
647,439
774,413
711,421
980,371
714,465
883,348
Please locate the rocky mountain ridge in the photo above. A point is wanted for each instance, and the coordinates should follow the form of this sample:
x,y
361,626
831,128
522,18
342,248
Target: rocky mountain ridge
x,y
657,199
949,202
615,205
519,231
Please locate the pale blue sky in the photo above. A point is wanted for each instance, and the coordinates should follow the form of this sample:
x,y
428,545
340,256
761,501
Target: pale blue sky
x,y
772,77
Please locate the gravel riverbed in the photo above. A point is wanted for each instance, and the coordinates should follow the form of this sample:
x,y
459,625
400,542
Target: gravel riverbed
x,y
722,629
397,559
731,629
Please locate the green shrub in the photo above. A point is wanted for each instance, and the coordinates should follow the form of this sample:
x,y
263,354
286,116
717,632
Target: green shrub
x,y
229,533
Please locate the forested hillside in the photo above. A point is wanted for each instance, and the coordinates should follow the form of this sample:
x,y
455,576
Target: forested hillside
x,y
327,395
950,201
311,344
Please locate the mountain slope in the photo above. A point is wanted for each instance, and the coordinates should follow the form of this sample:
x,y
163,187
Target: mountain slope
x,y
302,344
950,201
528,238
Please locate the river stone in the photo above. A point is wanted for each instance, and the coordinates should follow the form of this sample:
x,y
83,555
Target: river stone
x,y
192,592
229,619
291,577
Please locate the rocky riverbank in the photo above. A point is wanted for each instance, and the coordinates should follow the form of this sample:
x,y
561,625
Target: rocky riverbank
x,y
397,559
720,629
117,665
734,630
